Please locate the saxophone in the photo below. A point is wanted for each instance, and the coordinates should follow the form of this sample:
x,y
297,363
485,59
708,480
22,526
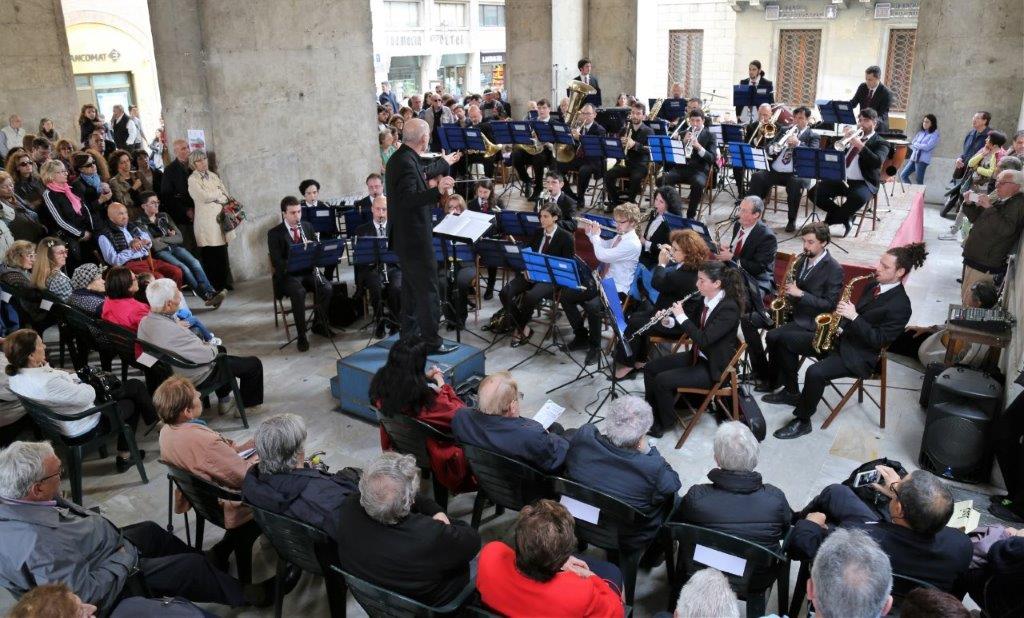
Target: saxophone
x,y
826,324
780,306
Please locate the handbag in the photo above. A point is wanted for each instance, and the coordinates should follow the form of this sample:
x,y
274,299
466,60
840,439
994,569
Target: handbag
x,y
750,413
231,215
105,383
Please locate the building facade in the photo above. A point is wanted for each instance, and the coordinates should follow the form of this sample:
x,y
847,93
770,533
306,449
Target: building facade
x,y
457,43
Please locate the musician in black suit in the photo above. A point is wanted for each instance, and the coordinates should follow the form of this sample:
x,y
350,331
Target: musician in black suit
x,y
537,162
585,167
411,236
486,201
310,190
587,77
280,238
873,94
864,157
554,183
696,169
710,321
655,232
475,120
764,116
757,84
383,279
815,288
374,189
876,320
638,156
781,170
520,296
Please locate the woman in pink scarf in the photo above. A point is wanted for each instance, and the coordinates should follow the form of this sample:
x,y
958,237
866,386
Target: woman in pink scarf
x,y
66,215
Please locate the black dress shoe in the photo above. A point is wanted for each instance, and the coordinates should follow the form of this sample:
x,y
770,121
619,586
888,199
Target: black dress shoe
x,y
303,344
123,465
793,429
592,355
378,332
656,431
791,227
846,228
580,342
488,294
764,386
445,349
782,397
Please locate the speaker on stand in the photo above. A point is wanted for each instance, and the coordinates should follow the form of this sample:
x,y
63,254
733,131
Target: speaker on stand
x,y
957,441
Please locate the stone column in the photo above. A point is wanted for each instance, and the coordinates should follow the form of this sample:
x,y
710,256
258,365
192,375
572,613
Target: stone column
x,y
612,46
543,41
35,74
283,90
965,60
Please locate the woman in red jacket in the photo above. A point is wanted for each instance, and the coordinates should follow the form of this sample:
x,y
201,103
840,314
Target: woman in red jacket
x,y
541,576
121,308
402,387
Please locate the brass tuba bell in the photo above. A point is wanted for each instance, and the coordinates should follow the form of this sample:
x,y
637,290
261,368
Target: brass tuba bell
x,y
578,92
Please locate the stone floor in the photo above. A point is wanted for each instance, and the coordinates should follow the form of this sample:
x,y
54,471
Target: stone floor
x,y
299,383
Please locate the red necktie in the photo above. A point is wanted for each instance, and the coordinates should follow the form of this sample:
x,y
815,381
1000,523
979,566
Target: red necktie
x,y
850,156
739,245
295,235
871,96
703,319
878,290
544,245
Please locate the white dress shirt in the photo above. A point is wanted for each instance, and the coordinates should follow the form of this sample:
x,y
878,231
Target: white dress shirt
x,y
810,263
651,229
710,304
853,169
621,257
744,233
60,391
885,287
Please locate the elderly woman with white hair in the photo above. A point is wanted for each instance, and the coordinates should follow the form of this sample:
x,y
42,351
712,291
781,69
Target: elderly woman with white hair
x,y
737,501
210,195
391,537
623,464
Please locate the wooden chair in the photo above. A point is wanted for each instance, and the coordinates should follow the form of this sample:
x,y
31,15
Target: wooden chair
x,y
872,208
880,374
285,311
726,386
708,198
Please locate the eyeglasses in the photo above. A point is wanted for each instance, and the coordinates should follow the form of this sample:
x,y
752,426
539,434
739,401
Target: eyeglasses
x,y
59,472
24,163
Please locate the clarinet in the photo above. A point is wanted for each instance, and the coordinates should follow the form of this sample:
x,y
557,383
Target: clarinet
x,y
664,317
305,241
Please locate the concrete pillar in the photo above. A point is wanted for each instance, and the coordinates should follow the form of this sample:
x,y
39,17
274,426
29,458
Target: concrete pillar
x,y
543,40
957,72
284,91
611,46
36,68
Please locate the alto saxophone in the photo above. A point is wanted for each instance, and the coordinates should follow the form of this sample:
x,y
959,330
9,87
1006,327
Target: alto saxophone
x,y
780,306
826,324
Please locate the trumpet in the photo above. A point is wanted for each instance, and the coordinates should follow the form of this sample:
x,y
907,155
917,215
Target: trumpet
x,y
687,145
844,143
776,147
591,221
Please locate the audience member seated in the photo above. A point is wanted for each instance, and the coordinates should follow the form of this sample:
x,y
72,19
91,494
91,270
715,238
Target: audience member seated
x,y
88,184
66,215
497,426
850,577
52,600
64,393
168,245
27,183
46,539
123,243
48,271
16,274
917,540
622,464
186,442
707,593
124,184
121,307
402,387
541,576
736,501
405,543
283,483
995,575
932,603
25,225
88,290
13,419
162,329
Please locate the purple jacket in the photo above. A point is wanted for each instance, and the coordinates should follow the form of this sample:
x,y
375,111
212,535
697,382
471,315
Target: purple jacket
x,y
923,144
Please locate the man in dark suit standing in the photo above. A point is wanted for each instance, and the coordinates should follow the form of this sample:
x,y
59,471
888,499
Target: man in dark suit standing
x,y
872,94
876,320
280,239
586,167
386,96
864,157
695,171
385,279
174,194
411,235
781,170
817,283
587,77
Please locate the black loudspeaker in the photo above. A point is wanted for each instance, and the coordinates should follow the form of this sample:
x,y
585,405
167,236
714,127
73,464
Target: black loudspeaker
x,y
962,408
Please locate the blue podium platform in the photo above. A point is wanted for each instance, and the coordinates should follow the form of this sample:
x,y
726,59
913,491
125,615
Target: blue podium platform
x,y
352,384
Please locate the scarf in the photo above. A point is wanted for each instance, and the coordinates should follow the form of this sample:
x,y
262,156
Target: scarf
x,y
93,180
76,203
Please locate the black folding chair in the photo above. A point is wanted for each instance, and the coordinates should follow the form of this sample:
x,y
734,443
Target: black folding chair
x,y
85,331
120,342
306,547
761,567
508,483
205,498
409,437
382,603
57,310
48,422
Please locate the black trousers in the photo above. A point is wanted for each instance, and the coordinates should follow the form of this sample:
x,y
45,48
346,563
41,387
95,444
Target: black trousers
x,y
786,344
248,370
739,175
755,347
421,303
636,172
816,378
171,568
662,376
826,192
371,280
1009,451
456,301
295,287
686,174
571,301
585,170
216,266
520,297
520,160
465,165
762,182
133,402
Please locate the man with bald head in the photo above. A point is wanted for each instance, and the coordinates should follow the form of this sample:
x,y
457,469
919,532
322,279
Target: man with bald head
x,y
475,120
123,243
382,279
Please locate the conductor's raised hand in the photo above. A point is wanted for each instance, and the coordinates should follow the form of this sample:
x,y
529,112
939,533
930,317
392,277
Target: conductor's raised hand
x,y
452,157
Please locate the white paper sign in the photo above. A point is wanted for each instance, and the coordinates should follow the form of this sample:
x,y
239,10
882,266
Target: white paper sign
x,y
726,563
45,305
581,510
548,413
5,296
323,212
146,360
965,516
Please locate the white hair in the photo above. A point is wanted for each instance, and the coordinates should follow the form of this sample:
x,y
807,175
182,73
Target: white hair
x,y
707,594
160,292
852,575
279,440
735,447
1014,176
21,465
414,130
629,418
388,487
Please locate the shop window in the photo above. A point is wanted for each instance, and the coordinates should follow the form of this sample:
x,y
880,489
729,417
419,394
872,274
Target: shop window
x,y
899,66
105,90
492,15
402,13
797,78
451,14
685,49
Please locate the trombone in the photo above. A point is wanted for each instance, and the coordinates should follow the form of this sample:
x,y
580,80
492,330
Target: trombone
x,y
766,130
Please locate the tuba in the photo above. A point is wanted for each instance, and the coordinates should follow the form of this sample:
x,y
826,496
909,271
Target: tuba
x,y
826,324
578,92
780,306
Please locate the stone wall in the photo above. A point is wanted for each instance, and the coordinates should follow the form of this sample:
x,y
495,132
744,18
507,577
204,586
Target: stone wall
x,y
283,90
612,41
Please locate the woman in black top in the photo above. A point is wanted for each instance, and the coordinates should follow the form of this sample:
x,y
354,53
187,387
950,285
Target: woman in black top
x,y
89,185
68,215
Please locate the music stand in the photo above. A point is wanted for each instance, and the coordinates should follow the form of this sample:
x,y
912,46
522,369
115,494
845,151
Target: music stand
x,y
732,133
742,155
610,300
666,150
355,218
329,254
560,273
671,109
324,219
454,137
552,132
373,252
658,126
498,253
465,229
819,164
836,112
677,222
612,118
602,146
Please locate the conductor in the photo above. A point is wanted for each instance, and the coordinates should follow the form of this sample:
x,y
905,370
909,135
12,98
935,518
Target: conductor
x,y
410,201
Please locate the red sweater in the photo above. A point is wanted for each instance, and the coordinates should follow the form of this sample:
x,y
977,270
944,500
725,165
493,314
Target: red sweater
x,y
507,591
126,312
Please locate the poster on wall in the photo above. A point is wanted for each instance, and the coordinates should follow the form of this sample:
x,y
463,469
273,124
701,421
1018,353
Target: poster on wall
x,y
196,139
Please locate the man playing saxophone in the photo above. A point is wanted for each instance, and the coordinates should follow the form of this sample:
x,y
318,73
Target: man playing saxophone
x,y
524,156
781,171
813,288
865,328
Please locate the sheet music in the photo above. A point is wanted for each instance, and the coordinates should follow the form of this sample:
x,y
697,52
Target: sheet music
x,y
470,225
548,413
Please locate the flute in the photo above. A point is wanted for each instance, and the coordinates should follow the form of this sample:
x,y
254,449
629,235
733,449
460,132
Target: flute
x,y
591,221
